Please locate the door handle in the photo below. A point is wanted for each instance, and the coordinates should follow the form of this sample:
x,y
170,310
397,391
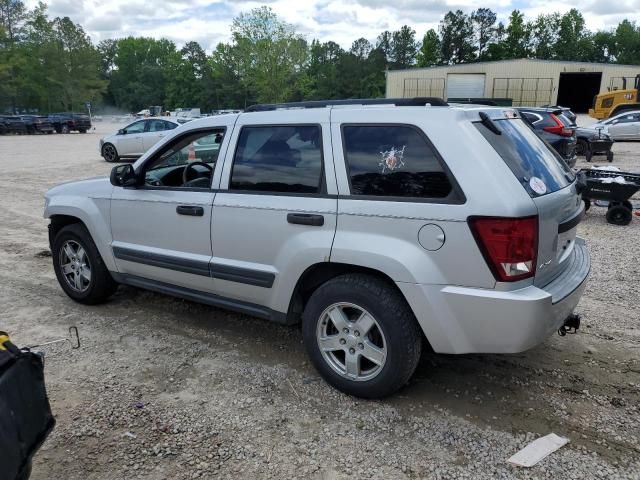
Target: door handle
x,y
190,210
305,219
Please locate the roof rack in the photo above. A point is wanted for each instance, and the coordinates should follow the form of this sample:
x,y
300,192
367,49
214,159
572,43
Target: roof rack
x,y
398,102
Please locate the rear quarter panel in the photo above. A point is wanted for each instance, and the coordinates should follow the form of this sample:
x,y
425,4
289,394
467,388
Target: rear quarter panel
x,y
383,234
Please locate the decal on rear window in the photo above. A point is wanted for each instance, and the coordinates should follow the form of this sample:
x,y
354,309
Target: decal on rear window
x,y
392,159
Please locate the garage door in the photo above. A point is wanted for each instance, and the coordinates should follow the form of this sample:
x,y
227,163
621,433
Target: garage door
x,y
465,85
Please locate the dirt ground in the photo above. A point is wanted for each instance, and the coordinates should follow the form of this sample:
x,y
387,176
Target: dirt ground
x,y
165,388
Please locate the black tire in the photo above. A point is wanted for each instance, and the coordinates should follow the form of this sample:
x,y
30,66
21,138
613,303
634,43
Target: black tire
x,y
628,204
610,156
110,153
402,335
619,215
101,286
65,129
587,204
582,147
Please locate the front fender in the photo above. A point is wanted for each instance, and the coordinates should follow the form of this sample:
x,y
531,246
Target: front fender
x,y
94,213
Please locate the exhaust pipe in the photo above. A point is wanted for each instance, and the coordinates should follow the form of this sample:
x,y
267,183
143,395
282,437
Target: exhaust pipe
x,y
572,322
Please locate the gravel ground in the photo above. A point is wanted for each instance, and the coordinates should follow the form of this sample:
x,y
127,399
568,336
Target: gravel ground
x,y
165,388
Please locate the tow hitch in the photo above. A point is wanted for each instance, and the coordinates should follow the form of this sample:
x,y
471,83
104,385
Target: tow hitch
x,y
571,323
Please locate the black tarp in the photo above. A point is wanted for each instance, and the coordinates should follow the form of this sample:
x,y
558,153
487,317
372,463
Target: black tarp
x,y
25,413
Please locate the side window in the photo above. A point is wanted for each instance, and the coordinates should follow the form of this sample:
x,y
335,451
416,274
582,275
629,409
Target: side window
x,y
156,125
137,127
607,102
169,126
532,117
393,161
187,162
283,159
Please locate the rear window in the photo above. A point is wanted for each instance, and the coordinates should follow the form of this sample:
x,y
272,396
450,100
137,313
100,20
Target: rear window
x,y
538,168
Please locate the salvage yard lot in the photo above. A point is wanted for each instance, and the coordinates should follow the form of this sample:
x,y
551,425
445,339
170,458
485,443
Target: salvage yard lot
x,y
165,388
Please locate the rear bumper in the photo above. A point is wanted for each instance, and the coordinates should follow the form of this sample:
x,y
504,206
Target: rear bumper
x,y
472,320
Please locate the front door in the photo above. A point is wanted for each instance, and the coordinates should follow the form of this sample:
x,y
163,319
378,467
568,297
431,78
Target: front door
x,y
161,230
130,140
625,127
275,212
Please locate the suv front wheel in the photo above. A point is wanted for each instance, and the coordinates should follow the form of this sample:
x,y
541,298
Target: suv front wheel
x,y
79,268
361,335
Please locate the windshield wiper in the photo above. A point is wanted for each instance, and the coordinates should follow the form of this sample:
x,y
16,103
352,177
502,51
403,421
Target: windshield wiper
x,y
487,122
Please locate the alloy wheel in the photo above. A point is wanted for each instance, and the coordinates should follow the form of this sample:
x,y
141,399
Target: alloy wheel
x,y
109,153
75,266
351,341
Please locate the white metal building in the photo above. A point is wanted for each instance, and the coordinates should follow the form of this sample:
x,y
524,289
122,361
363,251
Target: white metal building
x,y
526,81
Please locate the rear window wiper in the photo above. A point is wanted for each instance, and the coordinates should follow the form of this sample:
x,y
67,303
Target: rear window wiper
x,y
487,122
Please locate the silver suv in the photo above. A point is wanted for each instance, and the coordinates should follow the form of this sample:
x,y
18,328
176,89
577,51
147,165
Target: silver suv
x,y
382,226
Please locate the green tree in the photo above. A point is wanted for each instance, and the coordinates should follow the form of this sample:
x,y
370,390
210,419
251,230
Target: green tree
x,y
429,53
404,47
574,40
483,20
270,52
456,37
544,34
627,43
141,73
516,42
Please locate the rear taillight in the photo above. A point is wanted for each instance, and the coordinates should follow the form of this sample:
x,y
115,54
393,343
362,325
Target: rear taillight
x,y
559,128
509,245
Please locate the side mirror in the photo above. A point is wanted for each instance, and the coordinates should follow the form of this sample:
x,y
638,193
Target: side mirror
x,y
122,131
614,122
123,176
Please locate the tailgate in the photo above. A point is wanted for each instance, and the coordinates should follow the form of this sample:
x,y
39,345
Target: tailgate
x,y
559,214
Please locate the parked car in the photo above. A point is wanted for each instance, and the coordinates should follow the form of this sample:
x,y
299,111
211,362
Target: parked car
x,y
14,124
566,111
624,126
70,122
593,141
135,139
37,124
364,222
555,129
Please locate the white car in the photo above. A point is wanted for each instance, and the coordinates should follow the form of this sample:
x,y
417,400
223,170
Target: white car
x,y
624,126
136,138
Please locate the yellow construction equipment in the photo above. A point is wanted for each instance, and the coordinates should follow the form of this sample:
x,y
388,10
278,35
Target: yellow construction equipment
x,y
614,102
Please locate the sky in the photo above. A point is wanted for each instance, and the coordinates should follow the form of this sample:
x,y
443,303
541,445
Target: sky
x,y
208,21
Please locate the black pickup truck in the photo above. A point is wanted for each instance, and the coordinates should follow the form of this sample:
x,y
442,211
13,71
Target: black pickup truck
x,y
37,124
12,124
69,122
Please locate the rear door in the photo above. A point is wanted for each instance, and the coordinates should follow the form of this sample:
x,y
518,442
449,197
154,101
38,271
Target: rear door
x,y
155,131
551,185
275,212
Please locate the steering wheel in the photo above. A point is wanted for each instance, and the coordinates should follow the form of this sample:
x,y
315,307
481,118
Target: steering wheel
x,y
189,166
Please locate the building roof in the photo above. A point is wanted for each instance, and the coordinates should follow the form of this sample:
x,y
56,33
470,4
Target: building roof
x,y
513,60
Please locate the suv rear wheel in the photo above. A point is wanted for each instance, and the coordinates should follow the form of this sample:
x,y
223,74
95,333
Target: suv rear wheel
x,y
79,268
361,335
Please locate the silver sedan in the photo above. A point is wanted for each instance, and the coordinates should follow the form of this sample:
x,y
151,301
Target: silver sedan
x,y
624,126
